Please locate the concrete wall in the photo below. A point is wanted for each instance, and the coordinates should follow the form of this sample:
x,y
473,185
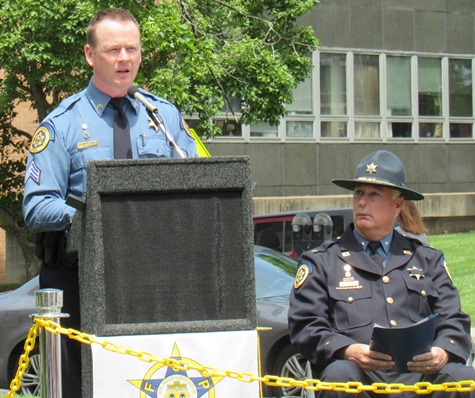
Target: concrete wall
x,y
299,169
407,25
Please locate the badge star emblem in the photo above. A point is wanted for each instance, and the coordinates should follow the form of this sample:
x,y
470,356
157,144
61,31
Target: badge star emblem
x,y
371,168
152,124
417,276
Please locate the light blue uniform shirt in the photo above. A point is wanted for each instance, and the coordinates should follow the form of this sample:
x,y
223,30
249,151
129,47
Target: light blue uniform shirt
x,y
382,250
80,129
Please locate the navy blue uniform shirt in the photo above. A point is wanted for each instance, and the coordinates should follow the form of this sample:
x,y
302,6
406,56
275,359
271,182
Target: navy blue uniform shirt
x,y
340,293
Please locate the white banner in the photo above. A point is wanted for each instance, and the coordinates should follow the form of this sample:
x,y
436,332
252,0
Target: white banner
x,y
125,376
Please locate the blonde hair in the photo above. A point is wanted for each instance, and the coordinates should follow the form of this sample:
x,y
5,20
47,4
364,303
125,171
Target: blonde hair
x,y
410,219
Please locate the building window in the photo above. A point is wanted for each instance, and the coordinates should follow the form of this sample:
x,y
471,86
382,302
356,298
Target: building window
x,y
264,130
365,95
398,83
461,130
400,129
333,84
299,129
430,87
302,104
229,127
367,130
460,87
430,130
366,84
334,129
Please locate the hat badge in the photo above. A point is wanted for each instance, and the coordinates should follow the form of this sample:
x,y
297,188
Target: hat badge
x,y
371,168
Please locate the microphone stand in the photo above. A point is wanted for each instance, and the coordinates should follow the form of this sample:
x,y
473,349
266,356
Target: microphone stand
x,y
157,119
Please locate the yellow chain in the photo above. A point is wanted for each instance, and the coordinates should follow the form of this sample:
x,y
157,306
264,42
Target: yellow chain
x,y
246,377
23,361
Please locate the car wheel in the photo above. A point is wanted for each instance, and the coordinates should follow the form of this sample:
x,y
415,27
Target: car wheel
x,y
30,382
290,363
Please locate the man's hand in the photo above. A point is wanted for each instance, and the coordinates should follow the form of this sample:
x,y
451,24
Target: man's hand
x,y
367,359
430,362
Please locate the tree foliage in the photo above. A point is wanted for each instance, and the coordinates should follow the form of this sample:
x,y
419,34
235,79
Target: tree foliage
x,y
196,53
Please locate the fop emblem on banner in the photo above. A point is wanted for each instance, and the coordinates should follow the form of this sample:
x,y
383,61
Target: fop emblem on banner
x,y
126,376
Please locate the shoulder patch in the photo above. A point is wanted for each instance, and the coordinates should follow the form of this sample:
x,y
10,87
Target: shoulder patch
x,y
302,274
43,134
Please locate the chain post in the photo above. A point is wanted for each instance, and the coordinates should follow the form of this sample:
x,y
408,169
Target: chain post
x,y
48,304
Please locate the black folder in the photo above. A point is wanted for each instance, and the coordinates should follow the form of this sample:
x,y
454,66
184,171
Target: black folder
x,y
402,343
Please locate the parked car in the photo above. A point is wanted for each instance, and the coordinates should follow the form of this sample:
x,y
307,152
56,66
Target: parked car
x,y
15,322
278,230
275,274
274,278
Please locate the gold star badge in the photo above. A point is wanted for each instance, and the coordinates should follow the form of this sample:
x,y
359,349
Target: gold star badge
x,y
371,168
152,124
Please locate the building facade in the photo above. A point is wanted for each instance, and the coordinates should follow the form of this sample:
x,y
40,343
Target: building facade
x,y
392,74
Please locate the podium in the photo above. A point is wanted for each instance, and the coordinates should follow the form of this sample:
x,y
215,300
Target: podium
x,y
165,246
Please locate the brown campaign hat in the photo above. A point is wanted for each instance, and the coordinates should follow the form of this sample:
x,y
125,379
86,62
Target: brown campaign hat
x,y
380,168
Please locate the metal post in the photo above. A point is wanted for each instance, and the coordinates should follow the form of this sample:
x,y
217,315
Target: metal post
x,y
49,303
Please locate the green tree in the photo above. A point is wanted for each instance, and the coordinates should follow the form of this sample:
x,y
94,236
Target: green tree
x,y
196,53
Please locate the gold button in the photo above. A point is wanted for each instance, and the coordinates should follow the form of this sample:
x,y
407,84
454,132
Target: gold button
x,y
393,323
424,293
452,342
350,299
389,300
385,279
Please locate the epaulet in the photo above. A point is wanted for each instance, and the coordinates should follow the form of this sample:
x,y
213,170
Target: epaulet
x,y
155,97
428,247
409,236
326,245
65,104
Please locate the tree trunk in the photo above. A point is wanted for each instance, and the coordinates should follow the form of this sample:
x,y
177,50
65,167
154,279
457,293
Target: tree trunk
x,y
25,238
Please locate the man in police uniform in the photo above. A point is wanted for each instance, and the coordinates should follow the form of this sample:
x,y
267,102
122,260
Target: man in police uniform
x,y
342,289
80,130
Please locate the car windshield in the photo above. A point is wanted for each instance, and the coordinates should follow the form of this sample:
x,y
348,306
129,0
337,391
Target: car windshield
x,y
275,273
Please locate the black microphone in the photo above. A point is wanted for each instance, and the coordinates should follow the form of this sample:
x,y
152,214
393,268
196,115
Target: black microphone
x,y
134,92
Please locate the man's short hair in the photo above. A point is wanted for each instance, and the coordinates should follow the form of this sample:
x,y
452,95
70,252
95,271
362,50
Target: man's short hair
x,y
115,14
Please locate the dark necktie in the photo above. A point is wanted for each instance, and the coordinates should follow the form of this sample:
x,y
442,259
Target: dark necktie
x,y
122,146
373,246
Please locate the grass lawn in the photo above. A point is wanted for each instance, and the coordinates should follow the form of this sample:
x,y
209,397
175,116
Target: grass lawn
x,y
459,251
